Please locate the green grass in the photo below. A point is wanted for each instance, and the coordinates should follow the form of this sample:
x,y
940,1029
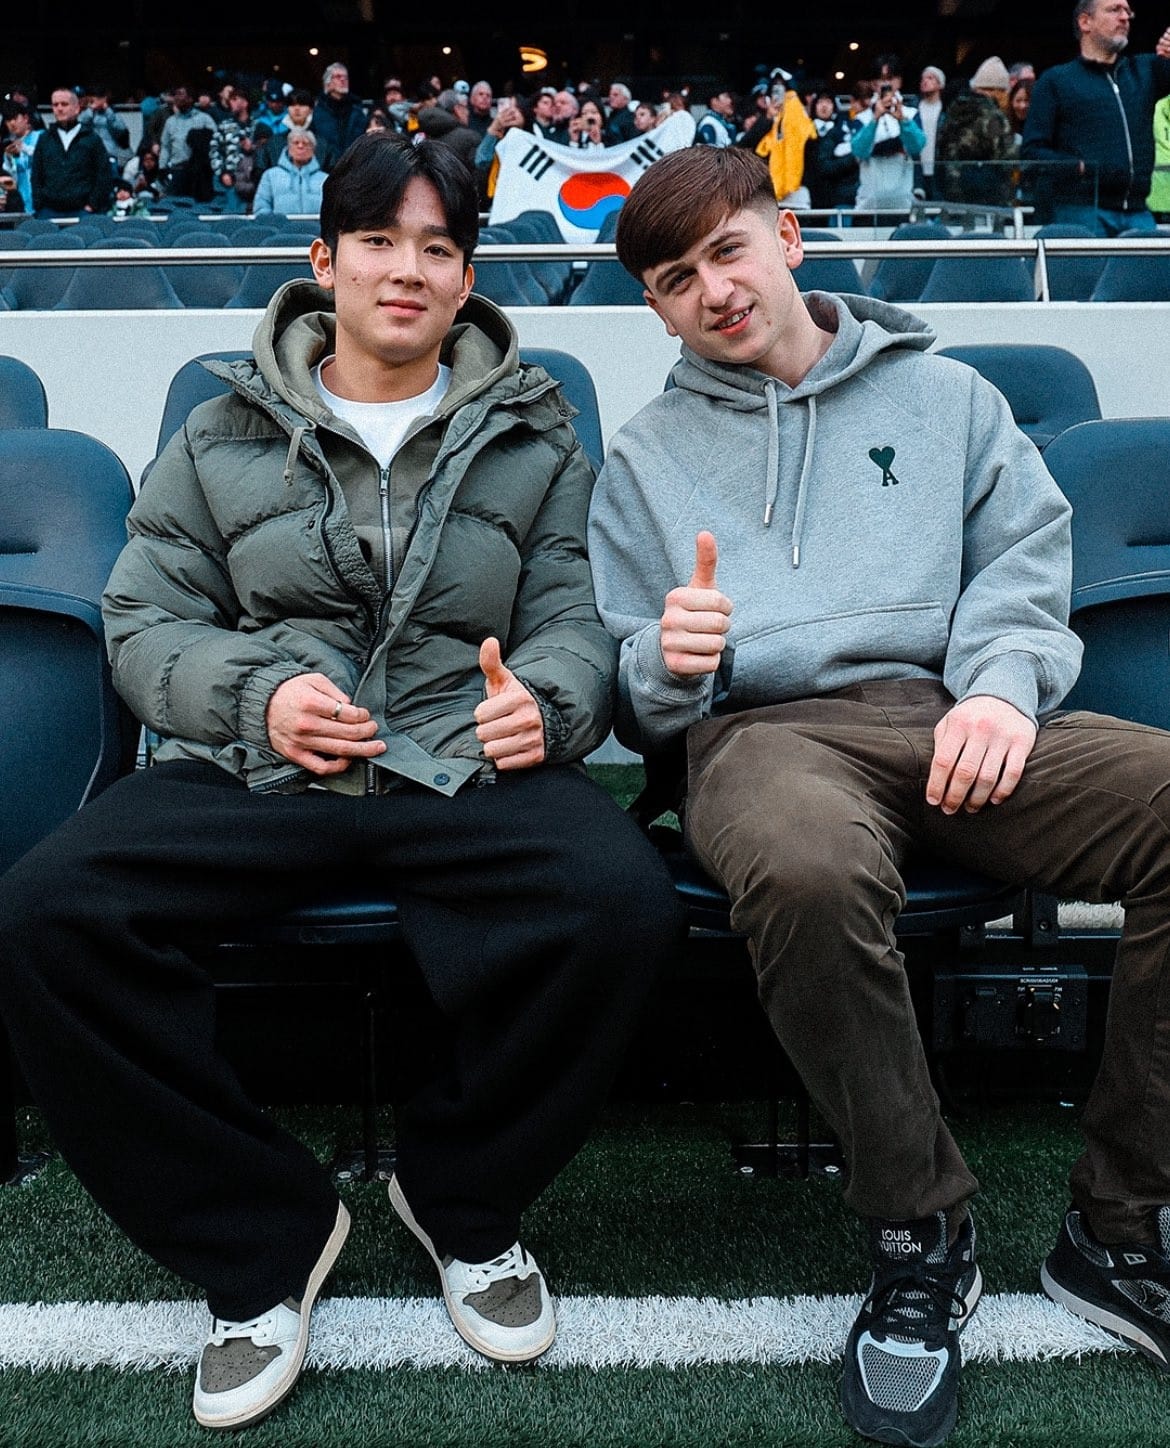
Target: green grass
x,y
652,1205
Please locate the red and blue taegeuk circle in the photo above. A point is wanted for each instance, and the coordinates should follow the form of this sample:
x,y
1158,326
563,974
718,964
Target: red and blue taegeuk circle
x,y
587,197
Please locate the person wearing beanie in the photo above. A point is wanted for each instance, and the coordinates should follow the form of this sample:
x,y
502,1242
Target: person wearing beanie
x,y
976,139
1092,119
930,117
991,79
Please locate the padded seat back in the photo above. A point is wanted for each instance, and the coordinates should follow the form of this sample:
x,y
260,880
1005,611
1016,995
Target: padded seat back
x,y
979,279
22,395
40,288
119,288
1116,475
1070,278
63,503
1134,279
212,285
1047,388
903,278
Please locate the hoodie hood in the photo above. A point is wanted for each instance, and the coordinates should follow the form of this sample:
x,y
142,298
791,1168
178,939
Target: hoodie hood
x,y
862,328
300,327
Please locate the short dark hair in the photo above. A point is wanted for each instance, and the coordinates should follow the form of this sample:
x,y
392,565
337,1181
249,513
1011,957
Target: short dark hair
x,y
682,197
1082,7
301,97
366,187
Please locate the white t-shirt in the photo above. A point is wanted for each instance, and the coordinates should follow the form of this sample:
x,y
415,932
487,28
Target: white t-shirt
x,y
383,425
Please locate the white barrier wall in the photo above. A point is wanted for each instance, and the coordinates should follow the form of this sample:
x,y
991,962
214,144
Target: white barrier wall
x,y
106,373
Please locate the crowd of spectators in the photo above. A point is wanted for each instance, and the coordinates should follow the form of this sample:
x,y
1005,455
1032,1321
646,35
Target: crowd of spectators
x,y
881,147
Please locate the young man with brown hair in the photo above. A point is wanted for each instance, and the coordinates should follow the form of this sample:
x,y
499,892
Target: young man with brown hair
x,y
840,570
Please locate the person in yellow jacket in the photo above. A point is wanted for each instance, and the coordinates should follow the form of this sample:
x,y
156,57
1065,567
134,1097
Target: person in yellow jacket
x,y
1159,198
782,146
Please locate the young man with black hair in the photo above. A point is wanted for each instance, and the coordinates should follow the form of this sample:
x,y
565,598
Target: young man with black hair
x,y
356,605
840,571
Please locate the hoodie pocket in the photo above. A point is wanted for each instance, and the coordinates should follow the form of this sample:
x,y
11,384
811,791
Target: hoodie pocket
x,y
812,656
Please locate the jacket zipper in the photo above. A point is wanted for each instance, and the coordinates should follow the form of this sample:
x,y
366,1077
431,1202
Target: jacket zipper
x,y
1128,139
387,545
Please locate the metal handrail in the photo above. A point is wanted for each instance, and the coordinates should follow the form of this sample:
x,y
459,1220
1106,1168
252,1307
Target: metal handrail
x,y
1029,249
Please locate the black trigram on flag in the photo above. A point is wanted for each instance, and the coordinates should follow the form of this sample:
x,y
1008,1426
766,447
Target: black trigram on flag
x,y
645,155
536,162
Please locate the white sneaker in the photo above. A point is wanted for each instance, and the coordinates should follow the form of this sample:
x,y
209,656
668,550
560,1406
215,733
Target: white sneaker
x,y
502,1308
247,1368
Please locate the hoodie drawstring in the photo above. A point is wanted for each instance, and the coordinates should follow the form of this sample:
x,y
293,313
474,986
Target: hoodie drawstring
x,y
772,476
802,486
772,483
293,448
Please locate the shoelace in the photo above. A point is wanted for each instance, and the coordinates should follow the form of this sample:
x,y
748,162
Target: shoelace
x,y
220,1328
914,1303
511,1264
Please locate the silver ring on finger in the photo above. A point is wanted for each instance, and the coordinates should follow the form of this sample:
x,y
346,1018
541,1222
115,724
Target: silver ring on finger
x,y
337,708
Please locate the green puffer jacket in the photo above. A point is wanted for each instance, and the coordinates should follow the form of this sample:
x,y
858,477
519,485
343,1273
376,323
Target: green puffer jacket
x,y
244,569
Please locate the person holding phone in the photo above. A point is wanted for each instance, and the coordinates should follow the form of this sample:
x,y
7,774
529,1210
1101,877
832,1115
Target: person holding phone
x,y
585,128
886,144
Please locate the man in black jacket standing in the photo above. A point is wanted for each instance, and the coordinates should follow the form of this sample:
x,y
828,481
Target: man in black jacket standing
x,y
70,172
1095,115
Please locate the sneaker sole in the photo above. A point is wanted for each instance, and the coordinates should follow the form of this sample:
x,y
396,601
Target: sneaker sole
x,y
288,1381
1101,1316
488,1350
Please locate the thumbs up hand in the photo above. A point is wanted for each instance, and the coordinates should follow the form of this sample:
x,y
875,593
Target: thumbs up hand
x,y
694,624
509,722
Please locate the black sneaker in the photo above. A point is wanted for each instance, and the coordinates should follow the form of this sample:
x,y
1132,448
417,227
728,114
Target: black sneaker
x,y
901,1381
1125,1290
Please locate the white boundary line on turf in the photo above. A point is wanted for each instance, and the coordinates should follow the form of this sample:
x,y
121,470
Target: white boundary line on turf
x,y
595,1332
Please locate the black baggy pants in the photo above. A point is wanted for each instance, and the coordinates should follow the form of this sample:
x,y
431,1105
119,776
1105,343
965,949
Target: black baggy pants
x,y
538,916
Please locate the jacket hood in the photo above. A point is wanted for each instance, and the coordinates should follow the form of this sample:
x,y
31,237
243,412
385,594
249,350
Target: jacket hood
x,y
862,327
300,326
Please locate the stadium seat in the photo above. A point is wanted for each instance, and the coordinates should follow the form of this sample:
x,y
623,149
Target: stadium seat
x,y
1070,278
1134,279
1047,388
261,280
119,288
828,274
252,233
188,233
63,504
212,285
607,284
607,231
979,279
22,395
1116,475
150,231
902,278
12,241
540,228
40,288
505,282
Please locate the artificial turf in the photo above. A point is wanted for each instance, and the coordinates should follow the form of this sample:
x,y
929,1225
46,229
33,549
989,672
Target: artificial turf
x,y
652,1205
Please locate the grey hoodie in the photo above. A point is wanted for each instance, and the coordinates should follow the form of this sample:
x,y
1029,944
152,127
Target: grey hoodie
x,y
884,519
